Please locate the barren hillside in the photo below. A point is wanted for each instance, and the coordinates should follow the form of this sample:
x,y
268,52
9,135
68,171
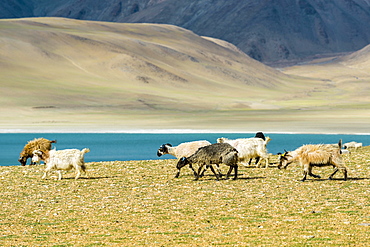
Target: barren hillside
x,y
72,74
350,74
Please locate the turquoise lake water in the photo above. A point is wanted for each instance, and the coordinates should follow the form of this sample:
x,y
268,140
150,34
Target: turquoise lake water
x,y
123,146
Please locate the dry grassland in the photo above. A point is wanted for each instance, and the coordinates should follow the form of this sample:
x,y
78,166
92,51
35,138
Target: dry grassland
x,y
139,203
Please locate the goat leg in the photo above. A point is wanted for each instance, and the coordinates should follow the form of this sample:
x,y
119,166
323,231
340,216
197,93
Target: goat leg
x,y
201,174
47,170
78,174
311,174
335,171
197,174
194,172
236,172
83,168
307,169
304,175
214,172
59,175
178,174
219,170
267,163
257,160
314,175
230,170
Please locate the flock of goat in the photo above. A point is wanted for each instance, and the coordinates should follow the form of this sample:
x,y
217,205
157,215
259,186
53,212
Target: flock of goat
x,y
201,155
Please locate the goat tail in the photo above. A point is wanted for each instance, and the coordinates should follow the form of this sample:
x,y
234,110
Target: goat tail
x,y
53,141
85,150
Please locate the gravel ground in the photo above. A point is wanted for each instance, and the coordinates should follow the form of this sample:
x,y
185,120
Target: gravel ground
x,y
137,203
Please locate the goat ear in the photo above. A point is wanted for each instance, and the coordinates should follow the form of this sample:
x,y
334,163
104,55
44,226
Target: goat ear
x,y
168,144
340,143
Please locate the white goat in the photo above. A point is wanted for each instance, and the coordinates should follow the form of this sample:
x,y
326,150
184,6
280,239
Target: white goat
x,y
345,151
315,155
185,149
62,160
354,145
249,148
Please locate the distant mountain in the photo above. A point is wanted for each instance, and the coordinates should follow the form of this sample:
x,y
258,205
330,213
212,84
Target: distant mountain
x,y
78,64
271,31
16,8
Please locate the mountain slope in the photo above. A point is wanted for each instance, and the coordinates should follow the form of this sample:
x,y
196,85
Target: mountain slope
x,y
270,31
359,59
136,59
350,74
72,74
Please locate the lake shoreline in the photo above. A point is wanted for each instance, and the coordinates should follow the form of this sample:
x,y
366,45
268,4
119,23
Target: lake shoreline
x,y
143,146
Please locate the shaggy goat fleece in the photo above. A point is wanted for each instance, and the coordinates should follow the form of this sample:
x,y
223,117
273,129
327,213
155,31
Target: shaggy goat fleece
x,y
310,156
249,148
212,154
36,144
62,160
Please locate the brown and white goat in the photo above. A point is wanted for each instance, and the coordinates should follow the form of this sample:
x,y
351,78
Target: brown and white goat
x,y
36,144
310,156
